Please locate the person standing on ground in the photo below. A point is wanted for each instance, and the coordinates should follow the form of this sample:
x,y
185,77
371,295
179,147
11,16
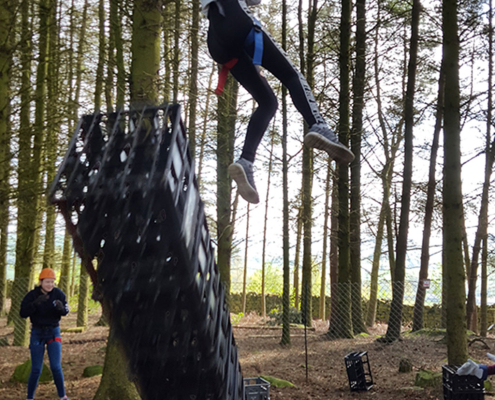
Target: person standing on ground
x,y
44,305
238,42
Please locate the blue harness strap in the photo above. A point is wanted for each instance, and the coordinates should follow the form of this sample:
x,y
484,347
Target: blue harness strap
x,y
256,36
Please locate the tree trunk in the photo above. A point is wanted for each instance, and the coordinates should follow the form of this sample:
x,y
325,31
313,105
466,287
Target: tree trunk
x,y
109,83
83,298
355,203
307,212
307,200
226,117
484,290
176,61
343,327
375,265
52,131
116,16
484,262
334,253
65,273
101,59
193,83
244,276
452,192
7,24
167,50
465,244
325,241
482,230
204,130
390,150
114,382
73,274
430,198
145,48
30,184
285,340
297,255
81,48
395,318
265,226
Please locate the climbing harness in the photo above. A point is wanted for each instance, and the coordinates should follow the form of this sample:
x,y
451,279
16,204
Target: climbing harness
x,y
255,36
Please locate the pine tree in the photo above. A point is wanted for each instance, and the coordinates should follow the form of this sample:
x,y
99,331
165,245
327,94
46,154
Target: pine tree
x,y
452,192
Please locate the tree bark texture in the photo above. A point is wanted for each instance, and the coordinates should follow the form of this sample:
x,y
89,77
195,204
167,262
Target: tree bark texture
x,y
285,340
355,201
7,24
145,48
30,183
395,318
452,193
430,200
226,117
325,242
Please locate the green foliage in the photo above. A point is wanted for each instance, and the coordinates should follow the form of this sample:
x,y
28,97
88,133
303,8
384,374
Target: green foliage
x,y
426,378
235,318
93,306
273,280
276,315
21,373
93,370
277,382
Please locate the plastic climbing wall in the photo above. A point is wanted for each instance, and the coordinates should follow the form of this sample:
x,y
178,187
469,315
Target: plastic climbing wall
x,y
128,192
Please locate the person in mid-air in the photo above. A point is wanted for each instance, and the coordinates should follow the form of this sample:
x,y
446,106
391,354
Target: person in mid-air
x,y
238,42
44,305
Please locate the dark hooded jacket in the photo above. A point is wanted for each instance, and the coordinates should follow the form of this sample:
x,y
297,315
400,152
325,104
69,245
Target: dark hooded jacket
x,y
43,312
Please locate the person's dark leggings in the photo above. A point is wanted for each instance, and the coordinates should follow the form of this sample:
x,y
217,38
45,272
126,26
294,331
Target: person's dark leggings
x,y
226,36
51,338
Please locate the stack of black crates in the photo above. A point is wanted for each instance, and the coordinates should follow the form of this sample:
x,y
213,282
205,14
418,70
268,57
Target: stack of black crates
x,y
461,387
358,370
127,188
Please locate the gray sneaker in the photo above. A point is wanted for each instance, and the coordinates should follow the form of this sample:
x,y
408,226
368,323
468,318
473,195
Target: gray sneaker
x,y
321,137
242,173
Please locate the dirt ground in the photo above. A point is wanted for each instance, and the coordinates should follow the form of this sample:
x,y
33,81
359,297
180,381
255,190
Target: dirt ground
x,y
260,354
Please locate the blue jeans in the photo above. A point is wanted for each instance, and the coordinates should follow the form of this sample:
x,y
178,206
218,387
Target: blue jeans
x,y
51,338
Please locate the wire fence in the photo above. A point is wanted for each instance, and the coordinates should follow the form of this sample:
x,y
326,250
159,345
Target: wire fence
x,y
373,304
346,309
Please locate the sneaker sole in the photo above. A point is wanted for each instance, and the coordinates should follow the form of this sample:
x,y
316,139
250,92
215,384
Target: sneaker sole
x,y
336,151
247,192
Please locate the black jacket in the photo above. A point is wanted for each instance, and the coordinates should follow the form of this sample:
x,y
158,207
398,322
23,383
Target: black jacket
x,y
43,313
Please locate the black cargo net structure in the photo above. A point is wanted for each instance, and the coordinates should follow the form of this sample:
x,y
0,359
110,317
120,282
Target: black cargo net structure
x,y
129,195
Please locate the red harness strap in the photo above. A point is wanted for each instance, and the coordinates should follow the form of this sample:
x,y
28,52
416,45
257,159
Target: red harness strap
x,y
57,339
222,78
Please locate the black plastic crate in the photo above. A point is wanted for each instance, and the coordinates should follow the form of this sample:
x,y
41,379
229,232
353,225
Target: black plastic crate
x,y
358,371
461,387
256,389
128,192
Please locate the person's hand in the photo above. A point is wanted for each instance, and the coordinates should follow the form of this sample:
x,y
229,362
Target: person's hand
x,y
472,368
40,299
59,306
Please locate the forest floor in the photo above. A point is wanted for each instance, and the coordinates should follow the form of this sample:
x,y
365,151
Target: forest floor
x,y
261,354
